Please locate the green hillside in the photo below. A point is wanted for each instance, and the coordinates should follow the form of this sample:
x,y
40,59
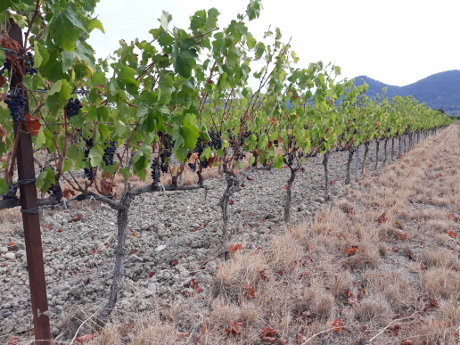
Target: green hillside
x,y
438,91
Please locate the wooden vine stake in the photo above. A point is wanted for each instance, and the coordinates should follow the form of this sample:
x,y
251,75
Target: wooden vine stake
x,y
29,209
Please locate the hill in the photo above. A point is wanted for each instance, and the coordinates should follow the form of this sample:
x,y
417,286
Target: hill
x,y
438,91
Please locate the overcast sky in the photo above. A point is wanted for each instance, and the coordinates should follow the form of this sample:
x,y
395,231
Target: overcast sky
x,y
397,42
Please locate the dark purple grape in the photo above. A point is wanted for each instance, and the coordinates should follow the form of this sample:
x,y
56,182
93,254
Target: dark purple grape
x,y
16,103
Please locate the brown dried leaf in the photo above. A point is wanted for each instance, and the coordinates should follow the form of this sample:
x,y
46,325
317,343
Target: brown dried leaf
x,y
106,187
32,124
9,43
85,338
382,218
234,327
67,193
351,251
78,217
267,332
452,234
250,292
234,247
337,325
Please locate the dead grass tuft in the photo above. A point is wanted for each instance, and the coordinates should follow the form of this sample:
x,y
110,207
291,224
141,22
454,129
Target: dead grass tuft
x,y
394,286
374,309
340,282
449,310
154,332
233,277
323,305
439,257
440,282
285,252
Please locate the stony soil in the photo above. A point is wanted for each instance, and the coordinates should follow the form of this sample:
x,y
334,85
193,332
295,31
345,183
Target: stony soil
x,y
172,236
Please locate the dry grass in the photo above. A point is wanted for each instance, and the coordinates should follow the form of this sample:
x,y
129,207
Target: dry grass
x,y
379,263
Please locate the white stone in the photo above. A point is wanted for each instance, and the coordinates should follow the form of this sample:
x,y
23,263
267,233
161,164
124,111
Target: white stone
x,y
160,248
9,256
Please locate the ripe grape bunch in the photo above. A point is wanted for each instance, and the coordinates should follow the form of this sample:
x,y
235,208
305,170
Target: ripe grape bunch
x,y
29,63
161,163
16,103
89,146
72,107
109,153
215,143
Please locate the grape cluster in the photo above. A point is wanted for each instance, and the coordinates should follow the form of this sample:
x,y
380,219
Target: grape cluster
x,y
161,163
199,148
289,159
89,145
240,154
29,63
216,140
72,107
192,166
156,172
109,153
6,66
16,103
215,143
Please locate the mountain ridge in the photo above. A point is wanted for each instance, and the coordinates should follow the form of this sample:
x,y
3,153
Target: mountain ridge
x,y
439,91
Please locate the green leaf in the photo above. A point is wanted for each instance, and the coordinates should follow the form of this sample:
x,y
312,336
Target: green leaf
x,y
59,97
125,172
41,54
96,24
74,152
45,179
85,52
183,63
55,88
251,42
67,60
142,109
120,129
103,113
253,9
279,161
40,139
68,165
164,20
95,155
127,75
52,68
3,186
260,49
140,167
4,5
2,57
33,82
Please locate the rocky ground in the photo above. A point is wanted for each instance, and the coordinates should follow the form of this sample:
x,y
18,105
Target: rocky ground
x,y
172,236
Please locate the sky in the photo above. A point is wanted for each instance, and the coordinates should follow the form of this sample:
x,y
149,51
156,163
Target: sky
x,y
397,42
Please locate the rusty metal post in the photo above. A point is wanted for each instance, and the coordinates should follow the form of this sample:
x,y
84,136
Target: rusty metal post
x,y
30,216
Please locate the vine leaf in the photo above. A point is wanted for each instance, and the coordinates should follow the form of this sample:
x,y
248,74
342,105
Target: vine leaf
x,y
32,124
